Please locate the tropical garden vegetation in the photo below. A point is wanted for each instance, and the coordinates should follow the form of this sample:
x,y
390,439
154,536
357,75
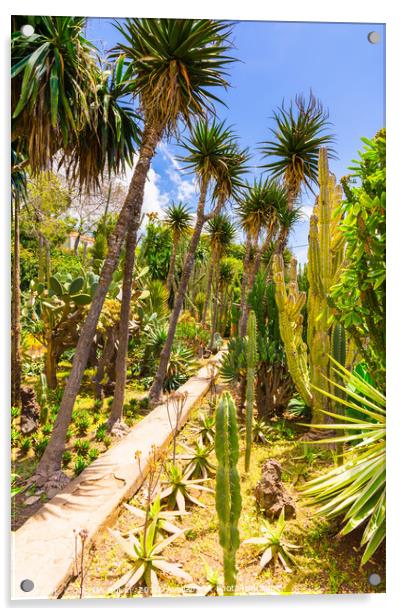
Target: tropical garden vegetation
x,y
113,310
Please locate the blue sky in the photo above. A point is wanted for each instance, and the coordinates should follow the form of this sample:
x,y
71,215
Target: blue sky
x,y
277,61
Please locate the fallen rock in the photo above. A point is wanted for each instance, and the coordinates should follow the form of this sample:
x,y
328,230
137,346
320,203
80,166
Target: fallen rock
x,y
31,500
271,494
30,412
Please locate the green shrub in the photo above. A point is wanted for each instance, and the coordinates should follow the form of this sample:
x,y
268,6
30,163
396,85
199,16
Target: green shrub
x,y
107,439
101,432
79,466
40,446
82,447
25,444
93,453
15,437
66,458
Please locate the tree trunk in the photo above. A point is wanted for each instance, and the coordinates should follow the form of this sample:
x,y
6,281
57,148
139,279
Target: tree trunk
x,y
244,289
15,318
76,243
172,263
121,360
51,364
104,360
51,459
157,385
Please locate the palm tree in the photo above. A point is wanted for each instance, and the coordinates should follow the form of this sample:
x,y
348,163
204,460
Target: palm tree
x,y
299,133
221,233
212,155
53,84
177,219
171,75
256,213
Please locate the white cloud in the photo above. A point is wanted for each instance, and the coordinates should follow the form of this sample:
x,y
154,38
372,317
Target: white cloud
x,y
185,189
307,209
155,200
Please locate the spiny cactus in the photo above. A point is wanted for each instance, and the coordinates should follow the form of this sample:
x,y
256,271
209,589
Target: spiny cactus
x,y
338,352
251,358
309,364
228,496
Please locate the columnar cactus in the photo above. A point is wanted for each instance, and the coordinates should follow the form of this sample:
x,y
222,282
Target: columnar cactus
x,y
310,365
228,497
251,360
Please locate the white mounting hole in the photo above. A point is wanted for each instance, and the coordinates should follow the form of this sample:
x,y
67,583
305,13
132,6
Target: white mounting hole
x,y
27,30
27,585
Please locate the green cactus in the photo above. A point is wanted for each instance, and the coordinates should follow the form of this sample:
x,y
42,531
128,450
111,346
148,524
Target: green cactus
x,y
251,359
338,352
309,364
228,496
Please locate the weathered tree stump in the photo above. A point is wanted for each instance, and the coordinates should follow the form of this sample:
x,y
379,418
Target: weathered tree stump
x,y
270,493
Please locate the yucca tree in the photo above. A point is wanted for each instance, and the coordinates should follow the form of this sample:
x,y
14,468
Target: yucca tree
x,y
212,155
174,64
223,237
300,131
255,212
221,233
54,74
178,219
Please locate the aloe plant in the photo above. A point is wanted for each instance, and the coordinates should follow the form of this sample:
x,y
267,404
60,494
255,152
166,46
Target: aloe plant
x,y
198,465
148,563
206,429
273,546
156,512
356,489
181,489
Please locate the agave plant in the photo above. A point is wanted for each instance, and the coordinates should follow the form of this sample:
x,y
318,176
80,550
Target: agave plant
x,y
206,429
260,432
179,489
273,547
356,489
198,466
214,586
156,512
145,554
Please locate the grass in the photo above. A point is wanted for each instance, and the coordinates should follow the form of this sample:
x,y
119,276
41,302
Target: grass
x,y
325,564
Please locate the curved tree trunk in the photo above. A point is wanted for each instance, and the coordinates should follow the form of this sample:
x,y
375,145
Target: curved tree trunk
x,y
51,459
157,385
209,287
15,319
116,411
244,288
172,263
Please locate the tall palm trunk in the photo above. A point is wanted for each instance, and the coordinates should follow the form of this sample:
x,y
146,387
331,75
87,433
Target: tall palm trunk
x,y
244,288
209,287
51,459
116,411
172,263
15,318
257,261
157,385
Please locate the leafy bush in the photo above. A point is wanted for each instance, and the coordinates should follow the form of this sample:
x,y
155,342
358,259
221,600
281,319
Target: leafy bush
x,y
40,445
79,466
356,489
82,447
66,458
25,444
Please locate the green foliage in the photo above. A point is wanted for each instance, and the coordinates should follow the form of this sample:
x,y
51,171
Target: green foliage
x,y
147,562
180,489
93,453
82,423
156,249
198,465
82,447
66,458
79,466
359,295
156,512
206,429
356,489
227,494
273,546
101,432
25,444
40,444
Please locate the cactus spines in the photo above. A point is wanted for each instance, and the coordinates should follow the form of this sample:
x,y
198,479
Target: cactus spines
x,y
310,368
251,360
227,495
